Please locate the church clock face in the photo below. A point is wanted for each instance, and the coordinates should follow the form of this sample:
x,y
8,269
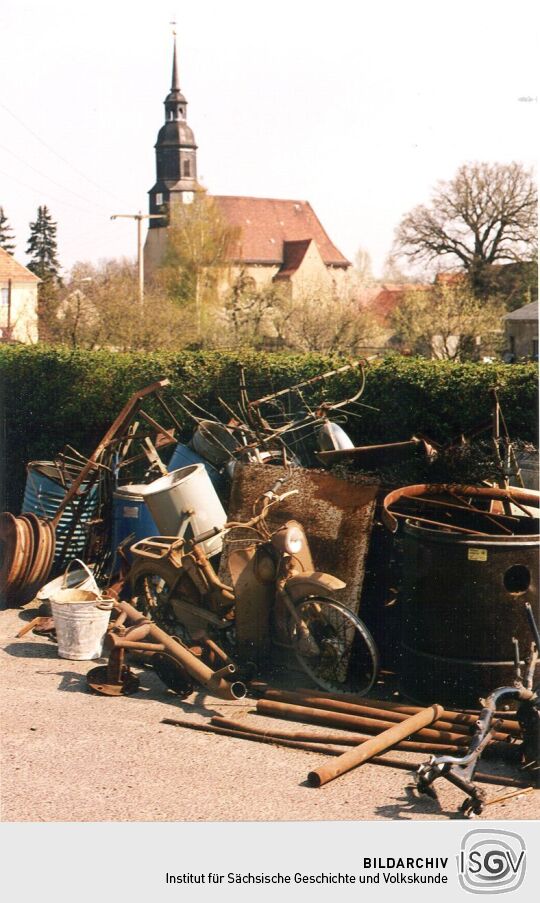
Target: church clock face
x,y
187,197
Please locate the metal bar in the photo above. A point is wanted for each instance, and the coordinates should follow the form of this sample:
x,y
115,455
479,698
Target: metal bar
x,y
509,722
307,382
117,425
347,722
337,739
368,711
215,685
275,741
370,748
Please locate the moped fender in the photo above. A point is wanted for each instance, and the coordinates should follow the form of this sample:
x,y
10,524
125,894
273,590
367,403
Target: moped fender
x,y
316,584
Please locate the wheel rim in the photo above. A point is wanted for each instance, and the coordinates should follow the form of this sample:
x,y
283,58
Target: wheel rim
x,y
338,652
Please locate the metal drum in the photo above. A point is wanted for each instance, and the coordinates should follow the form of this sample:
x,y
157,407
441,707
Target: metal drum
x,y
131,515
463,600
43,493
183,456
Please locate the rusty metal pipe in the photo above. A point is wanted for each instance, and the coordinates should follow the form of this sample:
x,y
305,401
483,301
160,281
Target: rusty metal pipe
x,y
350,722
509,722
370,748
328,750
276,741
334,739
204,675
367,711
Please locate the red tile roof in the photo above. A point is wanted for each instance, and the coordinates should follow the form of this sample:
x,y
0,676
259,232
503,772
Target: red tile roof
x,y
10,269
267,224
387,299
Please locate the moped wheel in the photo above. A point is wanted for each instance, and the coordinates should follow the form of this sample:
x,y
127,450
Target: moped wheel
x,y
333,646
152,596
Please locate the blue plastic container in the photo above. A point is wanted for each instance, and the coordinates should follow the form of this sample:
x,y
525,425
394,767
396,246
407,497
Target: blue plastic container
x,y
131,515
183,456
43,493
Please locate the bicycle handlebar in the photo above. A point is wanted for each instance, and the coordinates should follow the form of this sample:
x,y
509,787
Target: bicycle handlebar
x,y
270,494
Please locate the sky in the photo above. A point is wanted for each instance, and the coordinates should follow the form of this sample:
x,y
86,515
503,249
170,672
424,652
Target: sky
x,y
358,108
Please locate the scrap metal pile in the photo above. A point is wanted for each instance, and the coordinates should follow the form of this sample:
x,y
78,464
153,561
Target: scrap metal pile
x,y
240,558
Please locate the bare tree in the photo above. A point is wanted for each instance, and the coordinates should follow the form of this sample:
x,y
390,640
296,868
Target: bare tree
x,y
487,214
99,308
447,321
318,320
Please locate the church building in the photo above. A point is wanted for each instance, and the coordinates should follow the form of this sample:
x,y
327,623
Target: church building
x,y
279,241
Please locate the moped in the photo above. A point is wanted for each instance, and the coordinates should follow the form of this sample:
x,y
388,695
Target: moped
x,y
277,599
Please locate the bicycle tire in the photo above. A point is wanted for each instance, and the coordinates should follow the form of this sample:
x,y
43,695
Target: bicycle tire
x,y
344,657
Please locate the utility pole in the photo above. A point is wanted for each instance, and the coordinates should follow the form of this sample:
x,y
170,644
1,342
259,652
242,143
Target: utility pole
x,y
140,259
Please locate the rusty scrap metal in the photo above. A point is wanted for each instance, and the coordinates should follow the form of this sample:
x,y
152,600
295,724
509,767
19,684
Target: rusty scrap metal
x,y
143,628
308,715
367,456
453,492
507,721
345,739
276,740
113,679
372,711
366,751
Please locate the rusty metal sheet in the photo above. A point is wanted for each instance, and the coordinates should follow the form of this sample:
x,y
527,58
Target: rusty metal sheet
x,y
336,514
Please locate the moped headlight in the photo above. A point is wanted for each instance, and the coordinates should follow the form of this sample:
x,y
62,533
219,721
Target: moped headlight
x,y
294,540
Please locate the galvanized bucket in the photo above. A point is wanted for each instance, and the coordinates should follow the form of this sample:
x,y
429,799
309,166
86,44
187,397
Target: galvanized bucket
x,y
81,618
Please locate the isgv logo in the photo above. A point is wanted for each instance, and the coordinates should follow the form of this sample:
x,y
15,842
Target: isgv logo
x,y
491,862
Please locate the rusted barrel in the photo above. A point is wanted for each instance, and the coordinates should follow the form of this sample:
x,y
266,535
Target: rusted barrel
x,y
463,601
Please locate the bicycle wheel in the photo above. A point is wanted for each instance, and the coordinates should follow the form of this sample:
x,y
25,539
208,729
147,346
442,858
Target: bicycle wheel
x,y
152,595
333,646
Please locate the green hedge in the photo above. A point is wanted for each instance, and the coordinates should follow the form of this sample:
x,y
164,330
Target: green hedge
x,y
53,396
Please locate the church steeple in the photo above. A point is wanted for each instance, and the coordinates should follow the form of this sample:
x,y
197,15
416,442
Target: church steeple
x,y
176,153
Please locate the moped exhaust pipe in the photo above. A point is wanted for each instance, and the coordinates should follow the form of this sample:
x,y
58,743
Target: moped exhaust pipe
x,y
142,628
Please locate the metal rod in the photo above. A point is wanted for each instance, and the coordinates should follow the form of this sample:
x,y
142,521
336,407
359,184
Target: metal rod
x,y
336,739
276,741
327,751
354,722
215,685
510,721
370,748
370,708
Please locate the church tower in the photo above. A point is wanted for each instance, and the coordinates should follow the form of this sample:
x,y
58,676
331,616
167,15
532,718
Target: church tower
x,y
176,155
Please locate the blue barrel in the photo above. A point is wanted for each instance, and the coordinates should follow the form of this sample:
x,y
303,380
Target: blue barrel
x,y
43,493
131,515
183,456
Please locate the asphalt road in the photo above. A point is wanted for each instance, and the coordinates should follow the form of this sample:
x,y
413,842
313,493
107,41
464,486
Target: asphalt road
x,y
68,755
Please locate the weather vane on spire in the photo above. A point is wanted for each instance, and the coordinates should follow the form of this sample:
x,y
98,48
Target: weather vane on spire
x,y
173,23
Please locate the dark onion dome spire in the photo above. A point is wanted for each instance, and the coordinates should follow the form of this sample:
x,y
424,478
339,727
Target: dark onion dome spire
x,y
176,152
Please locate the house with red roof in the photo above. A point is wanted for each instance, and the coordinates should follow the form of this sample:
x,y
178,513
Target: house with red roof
x,y
279,240
18,301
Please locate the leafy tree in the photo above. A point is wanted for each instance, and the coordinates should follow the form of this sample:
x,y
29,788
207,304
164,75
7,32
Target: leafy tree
x,y
199,242
447,321
43,248
486,215
7,239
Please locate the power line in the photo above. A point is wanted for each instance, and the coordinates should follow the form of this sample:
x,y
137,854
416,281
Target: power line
x,y
60,157
50,179
48,194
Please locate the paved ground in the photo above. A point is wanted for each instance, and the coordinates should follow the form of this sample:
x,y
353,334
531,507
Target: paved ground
x,y
67,755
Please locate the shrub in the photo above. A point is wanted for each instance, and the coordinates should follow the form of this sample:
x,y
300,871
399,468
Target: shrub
x,y
54,396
